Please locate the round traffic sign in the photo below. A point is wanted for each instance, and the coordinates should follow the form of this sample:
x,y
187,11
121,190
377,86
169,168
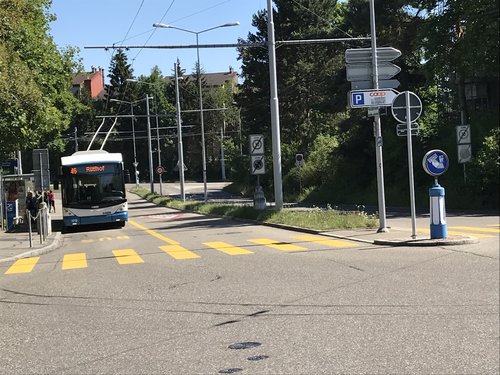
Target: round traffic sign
x,y
435,162
399,105
159,169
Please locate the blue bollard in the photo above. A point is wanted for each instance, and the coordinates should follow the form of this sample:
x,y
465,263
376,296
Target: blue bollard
x,y
438,212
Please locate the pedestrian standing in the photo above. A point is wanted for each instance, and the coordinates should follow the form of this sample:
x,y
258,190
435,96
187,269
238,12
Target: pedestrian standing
x,y
52,202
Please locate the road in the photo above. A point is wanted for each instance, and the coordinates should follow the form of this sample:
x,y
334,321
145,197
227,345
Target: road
x,y
180,293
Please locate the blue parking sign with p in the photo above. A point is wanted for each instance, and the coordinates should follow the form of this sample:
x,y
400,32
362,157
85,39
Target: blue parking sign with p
x,y
357,99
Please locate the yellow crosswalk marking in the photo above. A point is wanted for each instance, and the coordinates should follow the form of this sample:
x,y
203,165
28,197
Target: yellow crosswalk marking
x,y
122,237
324,241
494,225
105,239
153,233
227,248
72,261
23,265
456,233
127,256
477,229
277,244
87,241
178,252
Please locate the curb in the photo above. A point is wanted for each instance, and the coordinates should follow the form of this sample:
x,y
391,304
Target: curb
x,y
429,242
56,242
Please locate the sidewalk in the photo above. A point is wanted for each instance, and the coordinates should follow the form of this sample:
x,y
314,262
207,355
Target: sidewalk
x,y
16,245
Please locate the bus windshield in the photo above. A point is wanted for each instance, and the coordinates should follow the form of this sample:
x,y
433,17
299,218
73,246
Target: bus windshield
x,y
93,185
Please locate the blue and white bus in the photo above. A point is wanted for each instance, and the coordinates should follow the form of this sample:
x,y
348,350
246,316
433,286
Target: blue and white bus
x,y
93,189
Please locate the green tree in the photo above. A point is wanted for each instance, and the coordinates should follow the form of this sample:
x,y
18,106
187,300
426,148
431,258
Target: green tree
x,y
35,101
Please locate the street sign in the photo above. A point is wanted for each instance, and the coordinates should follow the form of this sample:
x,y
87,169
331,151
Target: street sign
x,y
256,144
402,131
299,160
373,111
257,164
463,134
382,84
399,107
357,55
435,162
363,71
160,170
464,153
371,98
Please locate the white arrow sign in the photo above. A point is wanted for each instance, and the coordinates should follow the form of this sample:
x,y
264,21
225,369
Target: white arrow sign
x,y
360,55
363,71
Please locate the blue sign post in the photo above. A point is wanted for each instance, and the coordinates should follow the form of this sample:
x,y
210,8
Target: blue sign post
x,y
435,163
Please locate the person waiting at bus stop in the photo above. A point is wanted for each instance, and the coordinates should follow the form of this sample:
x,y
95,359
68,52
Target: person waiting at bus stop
x,y
32,204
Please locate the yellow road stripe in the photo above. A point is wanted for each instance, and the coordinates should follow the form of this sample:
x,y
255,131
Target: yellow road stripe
x,y
476,229
277,245
153,233
178,252
324,241
127,256
478,235
227,248
87,241
105,239
123,237
494,225
72,261
23,265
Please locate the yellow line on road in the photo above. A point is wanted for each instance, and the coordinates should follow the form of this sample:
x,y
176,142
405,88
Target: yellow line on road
x,y
72,261
23,265
277,244
127,256
476,229
478,235
227,248
178,252
153,233
324,241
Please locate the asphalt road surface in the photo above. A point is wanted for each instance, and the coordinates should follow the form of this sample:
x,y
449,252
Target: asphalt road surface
x,y
179,293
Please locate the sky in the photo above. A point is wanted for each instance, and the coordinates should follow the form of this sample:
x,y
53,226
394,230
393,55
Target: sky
x,y
129,22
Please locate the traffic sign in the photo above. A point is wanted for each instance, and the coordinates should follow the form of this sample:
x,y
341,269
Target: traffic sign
x,y
371,98
258,166
382,84
299,160
464,153
402,130
159,169
357,55
363,71
399,107
256,144
463,134
435,162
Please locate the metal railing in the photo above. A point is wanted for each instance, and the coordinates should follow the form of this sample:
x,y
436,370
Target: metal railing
x,y
43,223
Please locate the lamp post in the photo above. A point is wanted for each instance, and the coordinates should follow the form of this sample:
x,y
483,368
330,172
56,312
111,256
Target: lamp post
x,y
157,128
135,163
197,33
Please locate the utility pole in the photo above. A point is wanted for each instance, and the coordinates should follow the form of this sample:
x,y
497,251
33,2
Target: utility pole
x,y
150,151
377,128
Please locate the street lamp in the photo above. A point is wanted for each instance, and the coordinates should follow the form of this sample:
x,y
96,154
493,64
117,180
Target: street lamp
x,y
133,137
157,127
197,33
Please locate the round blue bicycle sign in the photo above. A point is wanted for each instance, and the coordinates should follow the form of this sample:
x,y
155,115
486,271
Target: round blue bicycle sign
x,y
435,162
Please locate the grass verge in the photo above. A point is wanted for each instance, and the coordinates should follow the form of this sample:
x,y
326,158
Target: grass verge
x,y
315,218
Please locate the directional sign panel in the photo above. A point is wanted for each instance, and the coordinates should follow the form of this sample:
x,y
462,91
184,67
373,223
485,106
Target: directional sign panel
x,y
357,55
371,98
435,162
256,144
363,71
257,164
382,84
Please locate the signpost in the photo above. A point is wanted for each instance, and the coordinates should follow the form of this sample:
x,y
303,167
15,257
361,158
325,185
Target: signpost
x,y
464,148
406,108
402,130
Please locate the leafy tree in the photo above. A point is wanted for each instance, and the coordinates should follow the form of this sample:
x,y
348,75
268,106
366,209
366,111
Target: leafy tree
x,y
35,101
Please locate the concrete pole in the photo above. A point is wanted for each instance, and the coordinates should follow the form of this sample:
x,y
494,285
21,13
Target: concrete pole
x,y
222,131
275,116
150,151
377,128
203,151
158,142
180,151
